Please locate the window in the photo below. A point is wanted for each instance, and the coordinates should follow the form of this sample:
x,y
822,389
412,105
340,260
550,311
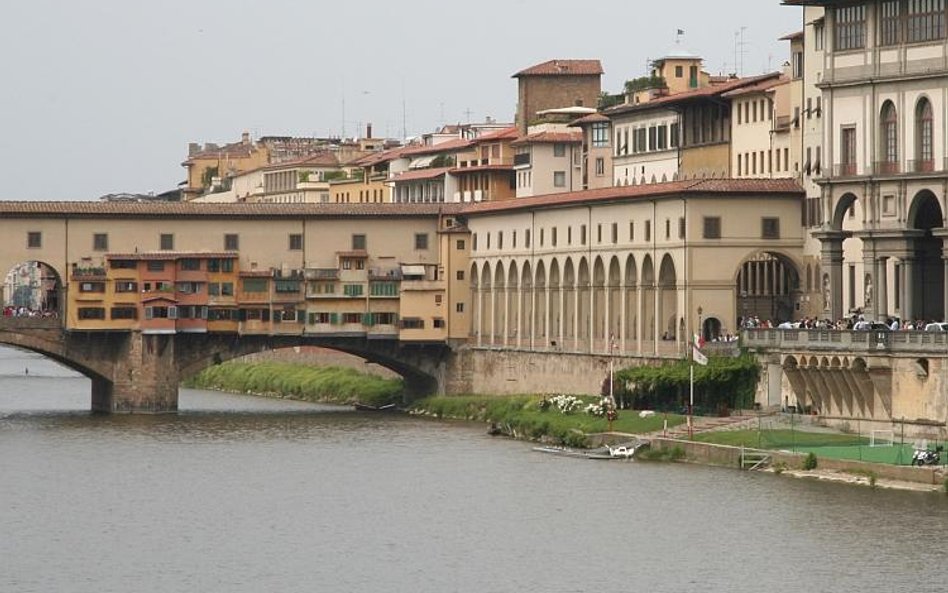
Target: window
x,y
460,275
352,290
600,166
231,242
653,138
681,227
925,20
668,230
582,234
648,231
599,233
124,313
679,71
770,228
474,242
674,135
126,286
123,264
559,179
438,323
92,287
890,22
526,238
553,237
600,134
850,27
383,289
255,285
923,136
413,323
190,264
358,242
631,230
848,151
888,136
460,244
559,149
100,242
155,266
166,242
739,163
87,313
818,36
569,235
34,240
712,227
421,241
459,307
296,242
615,232
797,64
500,240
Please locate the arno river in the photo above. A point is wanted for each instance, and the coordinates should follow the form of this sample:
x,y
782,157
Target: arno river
x,y
244,494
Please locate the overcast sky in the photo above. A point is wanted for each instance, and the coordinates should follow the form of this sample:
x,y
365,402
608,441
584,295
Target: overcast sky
x,y
104,96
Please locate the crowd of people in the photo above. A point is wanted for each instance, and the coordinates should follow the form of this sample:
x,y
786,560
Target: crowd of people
x,y
855,322
11,311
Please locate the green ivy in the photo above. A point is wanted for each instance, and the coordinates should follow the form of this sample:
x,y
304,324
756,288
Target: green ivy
x,y
725,383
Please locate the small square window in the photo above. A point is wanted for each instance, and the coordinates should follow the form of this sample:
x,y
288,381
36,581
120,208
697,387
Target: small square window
x,y
712,227
559,179
559,149
460,275
231,242
166,242
459,307
296,242
100,242
34,240
770,228
460,244
358,242
421,241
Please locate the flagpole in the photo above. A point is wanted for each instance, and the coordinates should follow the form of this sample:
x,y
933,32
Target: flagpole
x,y
691,401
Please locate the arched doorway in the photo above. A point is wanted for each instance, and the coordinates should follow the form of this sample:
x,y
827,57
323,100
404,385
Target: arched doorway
x,y
668,299
32,288
711,329
768,287
927,274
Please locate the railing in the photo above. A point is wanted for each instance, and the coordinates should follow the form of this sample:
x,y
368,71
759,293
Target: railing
x,y
926,166
846,341
844,170
886,167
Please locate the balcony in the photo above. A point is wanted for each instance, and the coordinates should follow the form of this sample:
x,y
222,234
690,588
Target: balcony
x,y
921,166
322,274
522,159
477,195
886,167
844,170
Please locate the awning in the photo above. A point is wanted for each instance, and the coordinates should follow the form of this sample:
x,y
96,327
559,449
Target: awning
x,y
422,162
413,270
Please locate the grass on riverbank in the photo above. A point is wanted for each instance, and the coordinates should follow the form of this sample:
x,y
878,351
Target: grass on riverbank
x,y
823,444
521,416
317,384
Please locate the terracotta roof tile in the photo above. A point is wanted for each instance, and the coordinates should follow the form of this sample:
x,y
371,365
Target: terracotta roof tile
x,y
708,91
631,192
480,169
324,158
759,87
511,133
551,138
447,146
563,68
255,210
589,119
421,174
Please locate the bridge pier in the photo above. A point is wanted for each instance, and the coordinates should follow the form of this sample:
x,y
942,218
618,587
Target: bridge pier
x,y
144,378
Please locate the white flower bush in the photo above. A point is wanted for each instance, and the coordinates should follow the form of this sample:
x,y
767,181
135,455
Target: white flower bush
x,y
597,409
565,404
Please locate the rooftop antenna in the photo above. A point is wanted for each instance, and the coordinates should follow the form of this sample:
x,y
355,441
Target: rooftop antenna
x,y
467,114
343,133
404,115
739,51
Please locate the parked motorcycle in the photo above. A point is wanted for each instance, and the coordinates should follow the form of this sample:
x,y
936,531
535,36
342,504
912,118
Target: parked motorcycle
x,y
927,456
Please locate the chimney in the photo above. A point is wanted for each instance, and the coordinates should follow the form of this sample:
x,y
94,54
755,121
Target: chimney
x,y
193,147
368,131
245,138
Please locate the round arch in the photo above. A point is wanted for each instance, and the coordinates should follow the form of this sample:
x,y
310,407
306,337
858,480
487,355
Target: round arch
x,y
927,279
844,205
35,288
768,286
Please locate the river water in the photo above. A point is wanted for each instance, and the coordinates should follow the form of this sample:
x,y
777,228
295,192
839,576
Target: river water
x,y
247,494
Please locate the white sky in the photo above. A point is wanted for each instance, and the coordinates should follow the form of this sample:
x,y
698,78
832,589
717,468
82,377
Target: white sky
x,y
103,96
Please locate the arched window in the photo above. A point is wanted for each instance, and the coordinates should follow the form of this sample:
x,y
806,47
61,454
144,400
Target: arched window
x,y
924,155
889,149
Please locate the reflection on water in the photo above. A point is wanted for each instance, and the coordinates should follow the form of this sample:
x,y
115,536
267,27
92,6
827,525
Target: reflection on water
x,y
247,494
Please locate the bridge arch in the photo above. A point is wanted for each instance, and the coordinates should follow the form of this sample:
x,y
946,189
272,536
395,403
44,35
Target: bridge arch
x,y
34,286
768,286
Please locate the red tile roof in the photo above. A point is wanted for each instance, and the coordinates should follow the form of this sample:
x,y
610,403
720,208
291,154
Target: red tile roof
x,y
551,138
447,146
420,174
759,87
233,150
480,169
563,68
630,192
256,210
589,119
169,255
323,158
704,92
511,133
376,158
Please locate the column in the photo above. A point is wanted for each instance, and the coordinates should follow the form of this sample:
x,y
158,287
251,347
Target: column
x,y
638,320
623,316
908,290
478,329
591,324
607,319
493,316
506,329
658,316
882,288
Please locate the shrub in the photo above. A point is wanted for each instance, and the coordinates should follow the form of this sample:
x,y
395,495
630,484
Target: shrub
x,y
780,467
809,462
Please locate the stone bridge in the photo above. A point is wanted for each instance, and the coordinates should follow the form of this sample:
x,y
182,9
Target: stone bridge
x,y
135,372
881,378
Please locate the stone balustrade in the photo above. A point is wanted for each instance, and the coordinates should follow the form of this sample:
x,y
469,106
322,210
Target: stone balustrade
x,y
881,342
